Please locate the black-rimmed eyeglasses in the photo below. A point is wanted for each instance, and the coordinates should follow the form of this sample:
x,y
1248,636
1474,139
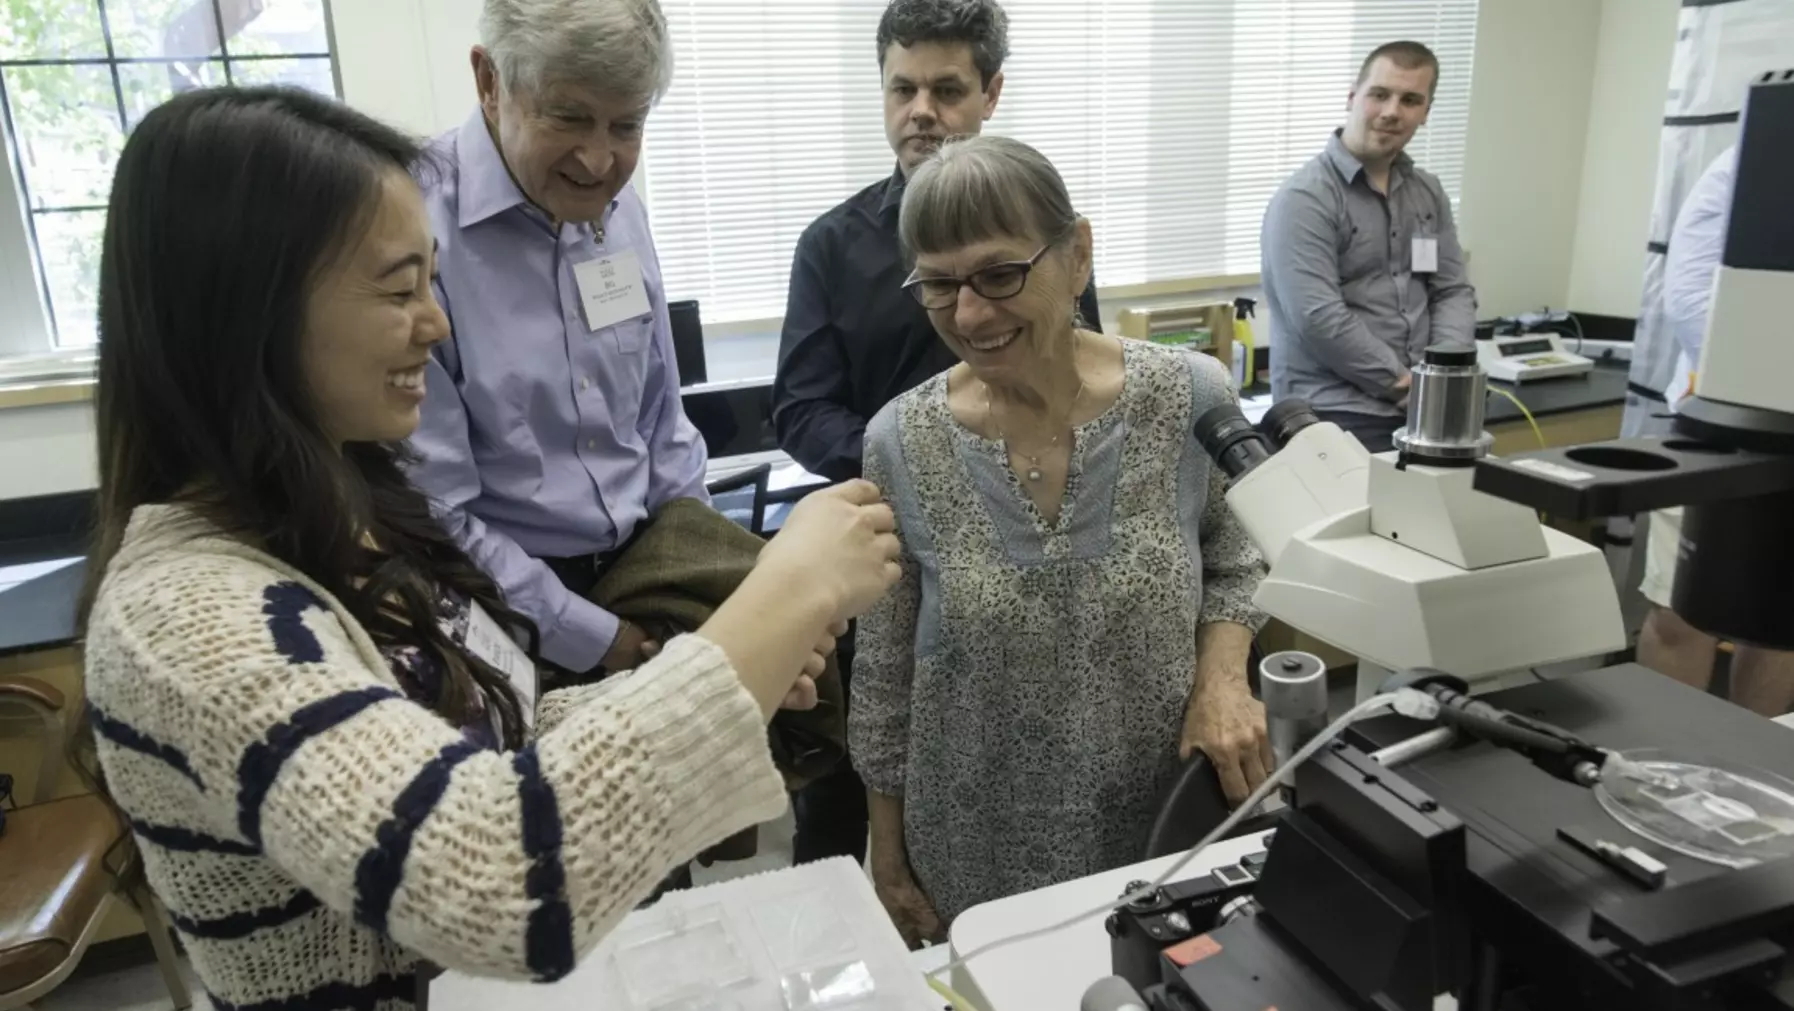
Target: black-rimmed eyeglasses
x,y
995,282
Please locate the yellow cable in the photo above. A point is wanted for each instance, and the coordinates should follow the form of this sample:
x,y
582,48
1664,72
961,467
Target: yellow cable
x,y
959,1002
1529,418
1535,430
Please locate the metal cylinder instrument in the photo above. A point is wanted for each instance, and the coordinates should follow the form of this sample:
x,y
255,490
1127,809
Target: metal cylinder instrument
x,y
1294,687
1445,410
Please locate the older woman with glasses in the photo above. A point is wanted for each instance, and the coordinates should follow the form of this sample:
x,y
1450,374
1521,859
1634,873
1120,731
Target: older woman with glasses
x,y
1075,608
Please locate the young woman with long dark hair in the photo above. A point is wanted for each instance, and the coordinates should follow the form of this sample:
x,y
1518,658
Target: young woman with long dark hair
x,y
303,696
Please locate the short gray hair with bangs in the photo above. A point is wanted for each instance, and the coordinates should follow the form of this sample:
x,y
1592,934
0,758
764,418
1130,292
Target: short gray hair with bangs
x,y
982,188
613,47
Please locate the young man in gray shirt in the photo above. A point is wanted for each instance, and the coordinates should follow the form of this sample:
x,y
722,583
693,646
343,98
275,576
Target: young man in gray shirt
x,y
1360,258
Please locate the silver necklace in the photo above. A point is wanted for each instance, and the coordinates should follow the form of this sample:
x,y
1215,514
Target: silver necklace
x,y
1034,471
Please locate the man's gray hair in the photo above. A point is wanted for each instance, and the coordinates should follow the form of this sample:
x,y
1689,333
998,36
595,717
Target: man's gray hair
x,y
616,48
983,188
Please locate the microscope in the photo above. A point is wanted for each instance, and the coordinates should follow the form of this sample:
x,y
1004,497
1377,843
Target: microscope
x,y
1610,840
1396,559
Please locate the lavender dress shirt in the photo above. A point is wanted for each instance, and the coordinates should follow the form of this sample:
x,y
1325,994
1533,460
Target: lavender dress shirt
x,y
543,438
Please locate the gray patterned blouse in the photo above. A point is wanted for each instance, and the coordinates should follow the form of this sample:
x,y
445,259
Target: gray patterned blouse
x,y
1023,687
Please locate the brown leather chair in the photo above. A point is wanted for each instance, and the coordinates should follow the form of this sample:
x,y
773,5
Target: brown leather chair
x,y
57,889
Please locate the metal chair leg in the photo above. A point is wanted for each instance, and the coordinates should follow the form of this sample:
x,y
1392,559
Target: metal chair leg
x,y
155,924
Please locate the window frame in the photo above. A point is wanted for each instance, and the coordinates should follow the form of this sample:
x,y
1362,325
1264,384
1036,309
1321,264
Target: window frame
x,y
29,342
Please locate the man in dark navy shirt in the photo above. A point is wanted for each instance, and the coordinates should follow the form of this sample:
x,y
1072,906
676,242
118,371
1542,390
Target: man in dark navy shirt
x,y
853,340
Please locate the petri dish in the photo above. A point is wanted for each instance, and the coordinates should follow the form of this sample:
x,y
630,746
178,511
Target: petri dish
x,y
1724,812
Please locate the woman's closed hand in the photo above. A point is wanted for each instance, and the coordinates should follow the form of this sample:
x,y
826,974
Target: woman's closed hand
x,y
910,911
842,539
1227,724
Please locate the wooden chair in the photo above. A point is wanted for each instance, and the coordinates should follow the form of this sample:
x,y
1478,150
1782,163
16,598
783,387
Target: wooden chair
x,y
57,888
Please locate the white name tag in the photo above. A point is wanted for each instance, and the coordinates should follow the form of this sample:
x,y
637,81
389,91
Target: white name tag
x,y
611,289
489,642
1426,255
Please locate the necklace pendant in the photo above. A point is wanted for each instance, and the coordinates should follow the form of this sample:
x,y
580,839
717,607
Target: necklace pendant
x,y
1033,473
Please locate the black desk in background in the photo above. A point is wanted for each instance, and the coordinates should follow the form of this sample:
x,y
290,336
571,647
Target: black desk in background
x,y
1602,386
39,613
735,419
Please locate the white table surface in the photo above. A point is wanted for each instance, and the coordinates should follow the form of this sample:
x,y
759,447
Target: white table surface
x,y
1051,973
599,983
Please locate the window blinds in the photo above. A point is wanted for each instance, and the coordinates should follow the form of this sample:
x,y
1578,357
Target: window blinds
x,y
1172,121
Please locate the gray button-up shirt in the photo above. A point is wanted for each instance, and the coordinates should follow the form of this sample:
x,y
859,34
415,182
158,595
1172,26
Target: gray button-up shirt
x,y
1349,315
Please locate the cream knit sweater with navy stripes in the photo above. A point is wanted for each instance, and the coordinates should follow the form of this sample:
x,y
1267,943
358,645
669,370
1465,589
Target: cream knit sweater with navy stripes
x,y
314,834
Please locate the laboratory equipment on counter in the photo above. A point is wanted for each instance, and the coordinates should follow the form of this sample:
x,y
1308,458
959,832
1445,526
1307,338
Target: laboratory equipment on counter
x,y
1472,871
1528,357
1466,869
1395,558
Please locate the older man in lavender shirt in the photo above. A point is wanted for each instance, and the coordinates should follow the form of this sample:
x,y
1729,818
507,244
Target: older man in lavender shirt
x,y
552,428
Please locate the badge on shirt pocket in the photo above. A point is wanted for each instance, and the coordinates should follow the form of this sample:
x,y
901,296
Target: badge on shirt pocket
x,y
613,295
1423,252
611,289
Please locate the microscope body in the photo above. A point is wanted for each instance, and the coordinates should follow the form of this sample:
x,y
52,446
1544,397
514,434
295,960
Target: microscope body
x,y
1405,565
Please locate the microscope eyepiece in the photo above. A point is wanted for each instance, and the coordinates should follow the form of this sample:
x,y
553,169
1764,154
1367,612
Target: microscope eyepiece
x,y
1231,440
1285,418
